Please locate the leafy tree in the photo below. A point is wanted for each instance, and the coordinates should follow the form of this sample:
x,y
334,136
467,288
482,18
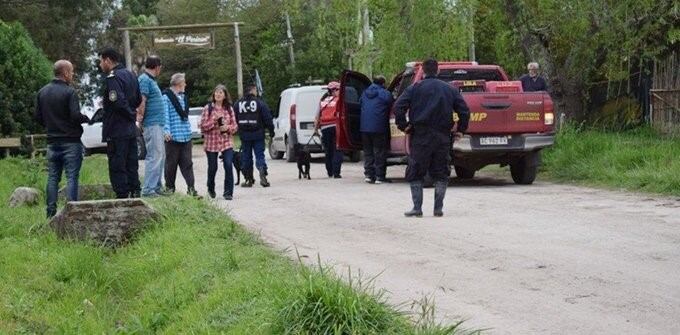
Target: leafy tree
x,y
23,69
62,29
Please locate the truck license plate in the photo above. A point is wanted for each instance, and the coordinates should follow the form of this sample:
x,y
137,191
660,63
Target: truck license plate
x,y
493,140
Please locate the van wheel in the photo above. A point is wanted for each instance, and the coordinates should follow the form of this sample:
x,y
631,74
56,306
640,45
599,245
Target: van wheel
x,y
273,153
354,156
290,152
522,173
464,173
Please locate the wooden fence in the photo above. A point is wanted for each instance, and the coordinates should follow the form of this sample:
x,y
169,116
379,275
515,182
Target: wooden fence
x,y
665,95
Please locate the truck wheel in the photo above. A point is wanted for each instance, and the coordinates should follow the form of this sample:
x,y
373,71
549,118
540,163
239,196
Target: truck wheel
x,y
464,173
273,153
290,152
354,156
522,173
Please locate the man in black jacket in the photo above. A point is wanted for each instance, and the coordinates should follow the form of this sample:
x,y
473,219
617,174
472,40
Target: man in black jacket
x,y
253,117
58,110
121,99
430,104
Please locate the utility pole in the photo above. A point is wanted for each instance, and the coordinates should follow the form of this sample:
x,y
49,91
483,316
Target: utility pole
x,y
128,52
239,65
472,11
368,40
291,41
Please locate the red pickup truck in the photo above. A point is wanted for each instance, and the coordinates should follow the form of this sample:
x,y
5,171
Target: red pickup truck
x,y
507,126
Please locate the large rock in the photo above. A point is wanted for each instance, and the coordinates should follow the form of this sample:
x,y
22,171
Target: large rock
x,y
24,196
91,192
109,222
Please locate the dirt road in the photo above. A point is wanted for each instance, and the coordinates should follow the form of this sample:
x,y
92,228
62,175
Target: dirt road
x,y
540,259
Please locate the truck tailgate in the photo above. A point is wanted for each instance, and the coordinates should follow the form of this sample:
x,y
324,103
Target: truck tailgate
x,y
508,113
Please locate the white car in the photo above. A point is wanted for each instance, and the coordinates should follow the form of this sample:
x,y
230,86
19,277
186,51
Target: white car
x,y
294,122
195,119
92,134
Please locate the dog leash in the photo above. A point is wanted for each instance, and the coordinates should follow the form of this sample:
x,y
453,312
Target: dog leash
x,y
316,134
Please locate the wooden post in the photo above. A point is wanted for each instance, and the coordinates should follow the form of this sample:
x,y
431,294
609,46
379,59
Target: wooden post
x,y
32,147
128,52
239,65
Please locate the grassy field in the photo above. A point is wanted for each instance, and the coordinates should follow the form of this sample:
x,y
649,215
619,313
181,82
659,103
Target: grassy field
x,y
636,160
193,271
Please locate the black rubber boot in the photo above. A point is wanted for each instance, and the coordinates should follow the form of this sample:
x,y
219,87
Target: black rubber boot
x,y
417,197
247,178
439,194
263,178
191,192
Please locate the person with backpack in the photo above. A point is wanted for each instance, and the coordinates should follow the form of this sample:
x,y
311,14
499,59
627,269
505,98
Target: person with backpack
x,y
218,126
253,117
177,133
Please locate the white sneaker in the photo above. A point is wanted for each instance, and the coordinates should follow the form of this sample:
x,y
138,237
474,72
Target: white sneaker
x,y
369,180
378,181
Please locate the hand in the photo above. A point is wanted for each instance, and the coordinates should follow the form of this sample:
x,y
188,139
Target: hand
x,y
408,129
457,136
224,129
168,138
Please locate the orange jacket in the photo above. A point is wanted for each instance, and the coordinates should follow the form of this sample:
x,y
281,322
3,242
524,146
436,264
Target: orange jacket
x,y
327,111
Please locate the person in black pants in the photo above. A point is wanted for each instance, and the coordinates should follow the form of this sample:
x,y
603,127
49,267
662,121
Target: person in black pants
x,y
121,99
326,121
177,133
430,104
375,110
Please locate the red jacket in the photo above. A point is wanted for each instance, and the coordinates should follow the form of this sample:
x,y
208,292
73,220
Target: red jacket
x,y
327,111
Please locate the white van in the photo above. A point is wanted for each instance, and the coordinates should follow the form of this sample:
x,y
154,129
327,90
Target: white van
x,y
294,122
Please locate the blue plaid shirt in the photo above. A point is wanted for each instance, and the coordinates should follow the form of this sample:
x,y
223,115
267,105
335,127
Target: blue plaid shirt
x,y
179,130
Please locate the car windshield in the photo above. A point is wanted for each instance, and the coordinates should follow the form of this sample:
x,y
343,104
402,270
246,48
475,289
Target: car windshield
x,y
461,74
195,111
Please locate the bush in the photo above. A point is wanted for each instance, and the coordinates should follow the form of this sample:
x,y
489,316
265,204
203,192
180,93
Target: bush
x,y
24,68
638,159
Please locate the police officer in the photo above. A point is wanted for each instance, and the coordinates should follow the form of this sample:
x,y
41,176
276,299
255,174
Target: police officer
x,y
253,117
121,99
430,103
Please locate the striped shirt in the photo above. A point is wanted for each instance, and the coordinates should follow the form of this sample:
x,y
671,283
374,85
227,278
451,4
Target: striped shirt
x,y
213,139
179,130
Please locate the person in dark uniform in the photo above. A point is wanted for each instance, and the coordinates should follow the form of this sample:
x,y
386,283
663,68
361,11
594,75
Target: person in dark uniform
x,y
121,99
430,104
253,117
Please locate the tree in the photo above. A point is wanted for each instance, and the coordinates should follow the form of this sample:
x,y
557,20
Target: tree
x,y
62,29
23,69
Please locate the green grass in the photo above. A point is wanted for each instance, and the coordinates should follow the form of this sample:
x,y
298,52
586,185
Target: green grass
x,y
193,271
636,160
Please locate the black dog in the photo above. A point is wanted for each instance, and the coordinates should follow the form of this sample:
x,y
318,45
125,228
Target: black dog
x,y
303,162
236,162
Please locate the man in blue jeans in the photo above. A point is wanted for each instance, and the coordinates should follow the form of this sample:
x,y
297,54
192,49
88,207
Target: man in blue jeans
x,y
58,110
151,119
253,117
